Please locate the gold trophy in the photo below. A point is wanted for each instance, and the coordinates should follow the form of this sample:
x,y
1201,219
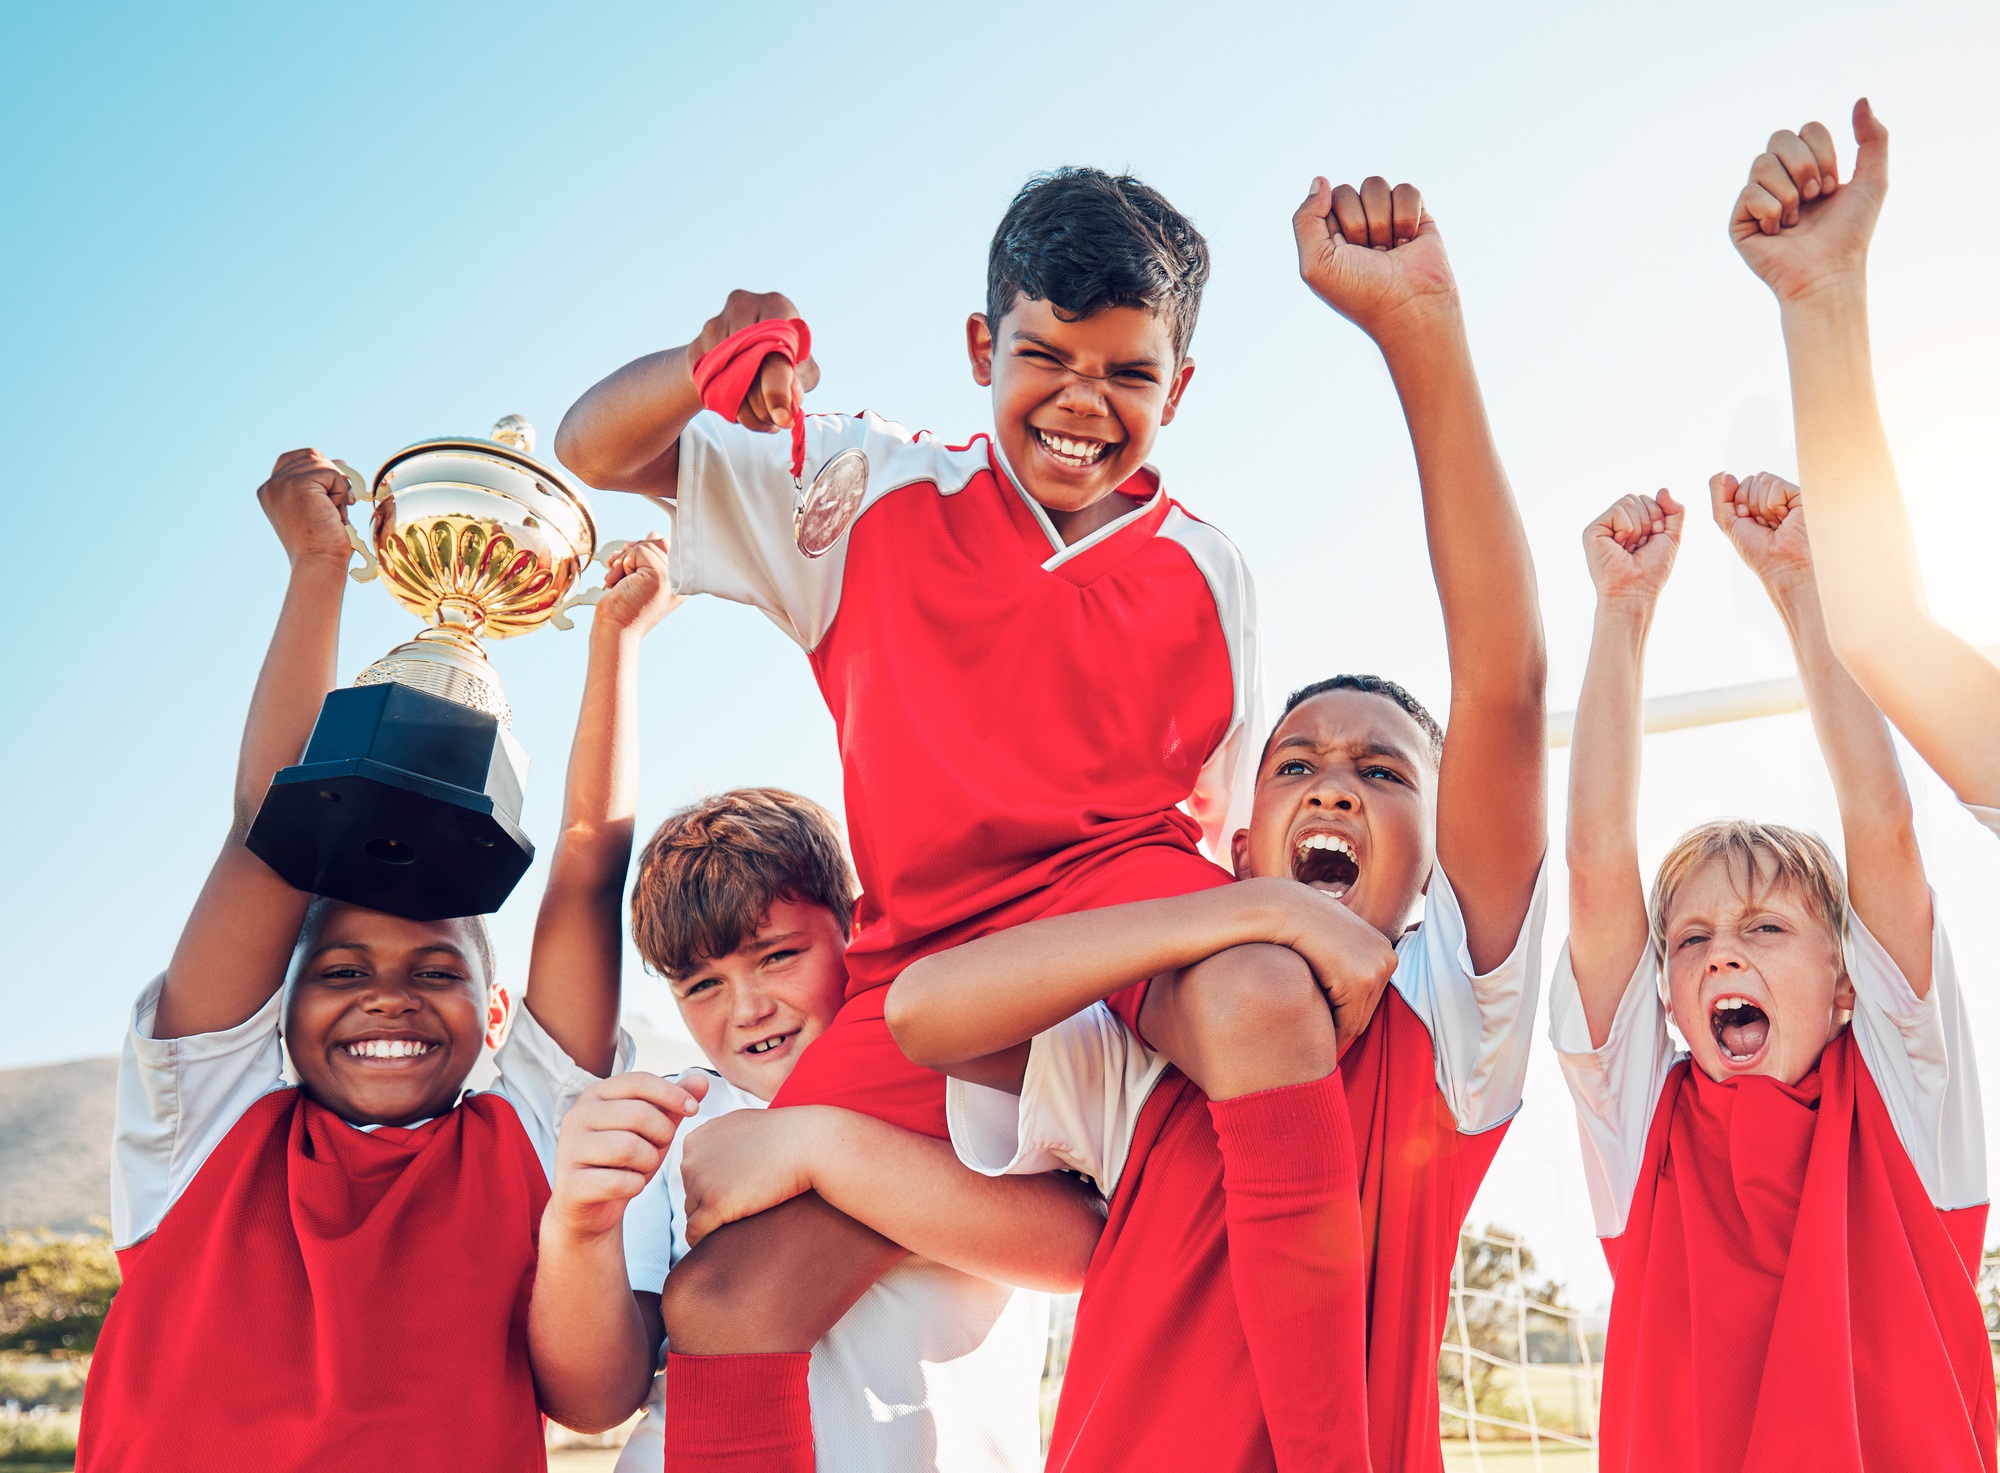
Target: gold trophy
x,y
408,797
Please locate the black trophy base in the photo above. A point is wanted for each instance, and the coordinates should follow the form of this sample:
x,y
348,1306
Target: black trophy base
x,y
404,802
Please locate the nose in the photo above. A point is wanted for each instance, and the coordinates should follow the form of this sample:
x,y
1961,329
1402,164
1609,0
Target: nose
x,y
1333,790
390,996
1082,395
750,1006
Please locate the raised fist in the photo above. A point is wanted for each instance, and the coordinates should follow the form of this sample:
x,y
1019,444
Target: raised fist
x,y
306,499
1371,253
1631,547
1795,224
637,594
1765,521
768,405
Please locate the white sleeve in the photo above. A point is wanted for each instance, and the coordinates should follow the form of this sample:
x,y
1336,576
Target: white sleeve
x,y
1227,781
1919,1053
541,1082
1086,1081
1987,816
734,529
177,1099
1481,1027
1616,1088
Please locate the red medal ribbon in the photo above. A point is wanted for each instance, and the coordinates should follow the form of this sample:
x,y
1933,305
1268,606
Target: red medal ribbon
x,y
723,375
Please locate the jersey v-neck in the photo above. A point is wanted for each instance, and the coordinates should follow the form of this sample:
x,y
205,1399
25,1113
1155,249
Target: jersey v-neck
x,y
1096,554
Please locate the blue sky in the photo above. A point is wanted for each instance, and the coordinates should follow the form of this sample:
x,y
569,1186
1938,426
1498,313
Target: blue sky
x,y
230,230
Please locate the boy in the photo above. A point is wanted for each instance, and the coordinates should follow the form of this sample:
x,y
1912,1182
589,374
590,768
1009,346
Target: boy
x,y
1361,798
1806,236
335,1274
1043,673
743,902
1794,1204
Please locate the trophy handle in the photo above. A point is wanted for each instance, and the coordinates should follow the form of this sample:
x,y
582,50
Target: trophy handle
x,y
370,568
560,618
362,490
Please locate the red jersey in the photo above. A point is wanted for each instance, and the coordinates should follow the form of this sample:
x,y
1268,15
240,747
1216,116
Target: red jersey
x,y
1011,711
321,1297
1159,1372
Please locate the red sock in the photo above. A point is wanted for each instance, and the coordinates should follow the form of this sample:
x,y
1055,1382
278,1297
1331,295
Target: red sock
x,y
739,1413
1296,1262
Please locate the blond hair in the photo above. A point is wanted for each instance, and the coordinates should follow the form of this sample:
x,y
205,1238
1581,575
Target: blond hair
x,y
1797,859
708,877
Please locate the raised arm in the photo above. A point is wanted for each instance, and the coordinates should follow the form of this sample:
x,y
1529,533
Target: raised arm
x,y
238,940
1806,235
1375,255
1766,524
1037,1231
962,1010
573,972
1630,551
624,433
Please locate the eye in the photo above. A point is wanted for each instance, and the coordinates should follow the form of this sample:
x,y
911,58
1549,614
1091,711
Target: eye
x,y
1693,938
779,958
1388,774
443,976
1036,355
704,985
1292,767
1137,376
1771,928
342,973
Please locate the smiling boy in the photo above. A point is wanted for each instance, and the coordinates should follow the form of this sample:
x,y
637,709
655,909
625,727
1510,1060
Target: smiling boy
x,y
1794,1203
742,903
1364,815
336,1273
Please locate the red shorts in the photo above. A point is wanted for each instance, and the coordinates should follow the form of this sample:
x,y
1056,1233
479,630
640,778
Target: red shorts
x,y
856,1064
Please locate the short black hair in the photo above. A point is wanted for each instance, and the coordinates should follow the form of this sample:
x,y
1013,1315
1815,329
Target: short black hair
x,y
1372,685
1083,240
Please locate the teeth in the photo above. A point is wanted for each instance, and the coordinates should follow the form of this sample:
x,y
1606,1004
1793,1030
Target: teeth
x,y
1328,841
1083,452
1731,1004
388,1048
764,1046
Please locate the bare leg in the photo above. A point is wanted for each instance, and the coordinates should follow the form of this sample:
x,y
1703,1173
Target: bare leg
x,y
774,1282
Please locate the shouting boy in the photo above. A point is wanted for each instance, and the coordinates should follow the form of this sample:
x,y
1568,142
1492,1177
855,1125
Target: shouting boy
x,y
1364,814
744,902
1042,670
336,1273
1794,1203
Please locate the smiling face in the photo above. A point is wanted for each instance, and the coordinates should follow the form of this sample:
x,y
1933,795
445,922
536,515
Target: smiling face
x,y
1754,973
386,1016
1346,803
1077,405
754,1011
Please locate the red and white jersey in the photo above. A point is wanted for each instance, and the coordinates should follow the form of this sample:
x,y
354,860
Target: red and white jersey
x,y
1011,710
1917,1050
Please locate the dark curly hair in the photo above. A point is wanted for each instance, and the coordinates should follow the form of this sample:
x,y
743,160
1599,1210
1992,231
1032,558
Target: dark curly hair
x,y
1373,685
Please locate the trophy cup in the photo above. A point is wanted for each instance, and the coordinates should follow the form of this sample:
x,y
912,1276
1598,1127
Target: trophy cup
x,y
408,797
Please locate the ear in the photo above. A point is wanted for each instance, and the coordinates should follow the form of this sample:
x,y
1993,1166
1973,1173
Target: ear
x,y
499,1013
1843,993
1175,389
979,348
1239,853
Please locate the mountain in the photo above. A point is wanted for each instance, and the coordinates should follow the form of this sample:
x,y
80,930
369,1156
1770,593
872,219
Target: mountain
x,y
55,1145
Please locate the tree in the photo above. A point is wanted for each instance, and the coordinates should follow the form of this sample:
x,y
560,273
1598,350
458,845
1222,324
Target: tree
x,y
54,1292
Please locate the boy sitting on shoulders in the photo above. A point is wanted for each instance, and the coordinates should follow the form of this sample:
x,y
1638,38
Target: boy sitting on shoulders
x,y
336,1274
1793,1205
744,903
1364,815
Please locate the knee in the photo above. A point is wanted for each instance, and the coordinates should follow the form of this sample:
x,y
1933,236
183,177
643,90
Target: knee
x,y
1258,994
696,1303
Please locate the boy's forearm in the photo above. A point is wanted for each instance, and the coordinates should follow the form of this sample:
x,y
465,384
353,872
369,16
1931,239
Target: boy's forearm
x,y
299,669
624,433
587,1341
1608,925
1002,990
1036,1232
573,975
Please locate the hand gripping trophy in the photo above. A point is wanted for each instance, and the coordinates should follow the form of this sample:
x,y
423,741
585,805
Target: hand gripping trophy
x,y
408,797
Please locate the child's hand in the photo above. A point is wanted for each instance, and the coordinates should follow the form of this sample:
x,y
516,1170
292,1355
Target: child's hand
x,y
1372,253
1766,523
768,405
1631,548
1350,959
1795,224
637,595
306,499
613,1140
739,1164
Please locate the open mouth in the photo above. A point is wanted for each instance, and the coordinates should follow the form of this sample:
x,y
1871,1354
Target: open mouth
x,y
1074,453
1741,1028
768,1045
1326,862
387,1048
